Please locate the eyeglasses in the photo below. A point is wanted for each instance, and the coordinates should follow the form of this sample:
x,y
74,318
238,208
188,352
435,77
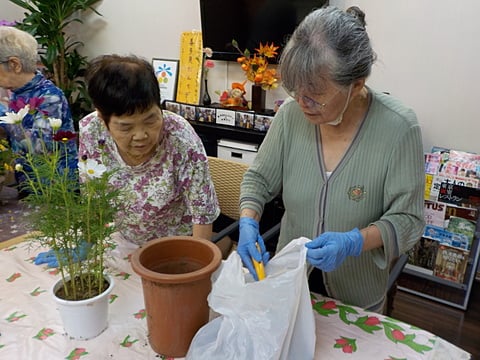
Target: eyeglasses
x,y
309,102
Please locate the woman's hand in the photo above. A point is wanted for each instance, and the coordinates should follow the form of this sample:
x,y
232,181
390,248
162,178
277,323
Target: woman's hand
x,y
330,249
247,244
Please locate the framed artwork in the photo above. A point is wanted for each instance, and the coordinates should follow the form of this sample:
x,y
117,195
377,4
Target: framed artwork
x,y
166,72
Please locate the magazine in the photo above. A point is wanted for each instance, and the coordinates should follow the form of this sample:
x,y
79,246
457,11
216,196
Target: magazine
x,y
451,263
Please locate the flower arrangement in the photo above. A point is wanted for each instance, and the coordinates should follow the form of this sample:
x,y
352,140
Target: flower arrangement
x,y
207,63
72,218
256,67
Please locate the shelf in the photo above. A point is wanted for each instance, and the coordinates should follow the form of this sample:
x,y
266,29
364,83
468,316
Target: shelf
x,y
231,132
410,269
440,254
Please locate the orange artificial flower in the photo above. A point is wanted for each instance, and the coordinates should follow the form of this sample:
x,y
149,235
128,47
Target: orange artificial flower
x,y
256,66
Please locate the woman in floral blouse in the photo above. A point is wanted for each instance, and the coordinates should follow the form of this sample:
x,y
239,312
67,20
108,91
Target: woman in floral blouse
x,y
28,87
159,158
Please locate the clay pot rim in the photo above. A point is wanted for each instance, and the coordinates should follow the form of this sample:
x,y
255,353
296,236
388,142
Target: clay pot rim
x,y
201,273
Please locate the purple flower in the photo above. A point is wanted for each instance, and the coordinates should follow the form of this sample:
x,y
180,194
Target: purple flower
x,y
7,23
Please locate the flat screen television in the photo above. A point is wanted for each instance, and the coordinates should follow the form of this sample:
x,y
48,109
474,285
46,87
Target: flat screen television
x,y
250,22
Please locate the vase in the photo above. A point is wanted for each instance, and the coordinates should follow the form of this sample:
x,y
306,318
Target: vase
x,y
207,101
175,273
258,98
84,319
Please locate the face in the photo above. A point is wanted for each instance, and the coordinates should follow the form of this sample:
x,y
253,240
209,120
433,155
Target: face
x,y
9,78
322,107
137,135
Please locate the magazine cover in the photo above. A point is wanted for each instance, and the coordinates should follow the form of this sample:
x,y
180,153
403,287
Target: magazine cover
x,y
451,263
463,226
446,237
459,195
422,256
438,180
434,213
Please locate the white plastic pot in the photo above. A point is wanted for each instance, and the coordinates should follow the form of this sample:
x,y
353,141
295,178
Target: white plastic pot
x,y
84,319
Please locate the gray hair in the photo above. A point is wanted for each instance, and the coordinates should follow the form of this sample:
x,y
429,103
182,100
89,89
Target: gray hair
x,y
329,44
15,42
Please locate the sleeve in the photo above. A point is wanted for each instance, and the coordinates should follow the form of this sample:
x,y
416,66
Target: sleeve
x,y
402,223
56,106
89,137
263,180
195,180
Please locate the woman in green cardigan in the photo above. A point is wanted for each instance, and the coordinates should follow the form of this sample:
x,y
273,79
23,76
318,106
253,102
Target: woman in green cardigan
x,y
347,160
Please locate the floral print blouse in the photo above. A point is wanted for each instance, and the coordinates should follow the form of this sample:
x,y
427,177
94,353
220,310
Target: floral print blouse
x,y
45,101
167,194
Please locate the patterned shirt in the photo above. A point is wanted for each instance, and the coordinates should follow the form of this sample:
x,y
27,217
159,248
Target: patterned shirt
x,y
46,101
168,193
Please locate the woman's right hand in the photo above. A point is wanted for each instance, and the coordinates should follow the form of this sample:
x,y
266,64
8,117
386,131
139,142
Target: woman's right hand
x,y
247,244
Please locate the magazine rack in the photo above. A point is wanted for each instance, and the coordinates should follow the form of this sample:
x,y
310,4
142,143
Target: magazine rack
x,y
425,274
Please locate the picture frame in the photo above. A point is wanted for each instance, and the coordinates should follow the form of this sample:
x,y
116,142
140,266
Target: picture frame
x,y
166,72
206,114
263,122
244,119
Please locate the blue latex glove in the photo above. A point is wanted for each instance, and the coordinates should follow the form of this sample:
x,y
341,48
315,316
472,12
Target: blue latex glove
x,y
249,237
49,257
330,249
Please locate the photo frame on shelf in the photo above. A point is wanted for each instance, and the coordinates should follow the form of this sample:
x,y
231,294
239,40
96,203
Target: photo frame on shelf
x,y
244,119
166,72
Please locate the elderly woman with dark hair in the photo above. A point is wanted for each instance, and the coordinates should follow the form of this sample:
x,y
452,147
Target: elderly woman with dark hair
x,y
29,87
156,154
348,161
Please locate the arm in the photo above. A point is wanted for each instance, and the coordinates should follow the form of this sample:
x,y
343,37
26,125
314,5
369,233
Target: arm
x,y
203,231
372,238
250,213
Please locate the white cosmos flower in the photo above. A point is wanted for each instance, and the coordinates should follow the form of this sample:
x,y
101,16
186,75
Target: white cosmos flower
x,y
15,117
55,123
91,168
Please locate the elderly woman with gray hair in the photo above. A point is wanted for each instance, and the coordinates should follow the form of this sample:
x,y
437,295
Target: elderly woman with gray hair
x,y
348,161
29,87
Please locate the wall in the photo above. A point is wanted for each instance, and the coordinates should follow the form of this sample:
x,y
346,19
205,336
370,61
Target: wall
x,y
427,53
428,57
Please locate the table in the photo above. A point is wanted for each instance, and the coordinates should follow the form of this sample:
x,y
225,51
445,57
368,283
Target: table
x,y
31,328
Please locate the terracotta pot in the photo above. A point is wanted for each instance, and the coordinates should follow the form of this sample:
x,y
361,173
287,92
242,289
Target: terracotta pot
x,y
175,274
84,319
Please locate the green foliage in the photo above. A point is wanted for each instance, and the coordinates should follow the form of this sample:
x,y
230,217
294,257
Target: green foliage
x,y
49,22
71,216
6,157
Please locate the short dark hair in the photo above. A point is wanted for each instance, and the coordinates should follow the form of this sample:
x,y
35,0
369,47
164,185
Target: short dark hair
x,y
122,85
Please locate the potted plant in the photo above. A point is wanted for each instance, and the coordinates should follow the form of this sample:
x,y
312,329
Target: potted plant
x,y
72,218
49,21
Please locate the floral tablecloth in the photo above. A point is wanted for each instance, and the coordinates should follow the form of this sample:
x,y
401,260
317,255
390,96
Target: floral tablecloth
x,y
30,326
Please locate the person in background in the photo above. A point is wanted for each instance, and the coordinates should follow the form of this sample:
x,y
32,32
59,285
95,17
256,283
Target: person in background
x,y
29,87
156,154
348,161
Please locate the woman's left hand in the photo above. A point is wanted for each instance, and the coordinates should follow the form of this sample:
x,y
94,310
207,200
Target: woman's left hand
x,y
330,249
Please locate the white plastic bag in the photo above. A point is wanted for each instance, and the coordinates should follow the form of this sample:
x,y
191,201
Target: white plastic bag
x,y
268,319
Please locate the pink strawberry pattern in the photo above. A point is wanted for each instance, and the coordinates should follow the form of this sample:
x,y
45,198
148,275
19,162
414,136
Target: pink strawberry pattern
x,y
369,324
